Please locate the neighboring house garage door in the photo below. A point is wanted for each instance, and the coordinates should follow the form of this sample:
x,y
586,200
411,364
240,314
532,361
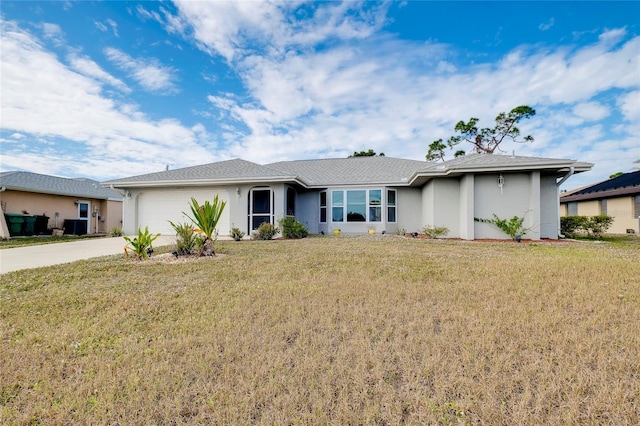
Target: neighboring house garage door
x,y
157,207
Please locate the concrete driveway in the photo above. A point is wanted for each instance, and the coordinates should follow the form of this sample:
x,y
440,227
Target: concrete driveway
x,y
29,257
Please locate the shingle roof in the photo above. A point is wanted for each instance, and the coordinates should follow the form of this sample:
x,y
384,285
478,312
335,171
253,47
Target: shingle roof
x,y
352,171
342,171
223,171
45,184
626,184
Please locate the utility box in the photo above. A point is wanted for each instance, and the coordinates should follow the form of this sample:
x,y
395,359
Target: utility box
x,y
75,226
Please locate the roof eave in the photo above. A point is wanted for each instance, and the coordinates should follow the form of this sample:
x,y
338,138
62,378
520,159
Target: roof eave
x,y
202,182
421,177
60,193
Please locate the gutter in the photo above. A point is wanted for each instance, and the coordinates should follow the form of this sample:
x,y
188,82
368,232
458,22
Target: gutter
x,y
563,180
565,177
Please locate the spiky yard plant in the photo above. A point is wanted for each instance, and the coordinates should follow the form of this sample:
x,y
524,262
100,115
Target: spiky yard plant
x,y
140,246
206,217
187,240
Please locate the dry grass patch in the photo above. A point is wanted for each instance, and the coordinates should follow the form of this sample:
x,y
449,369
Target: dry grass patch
x,y
328,331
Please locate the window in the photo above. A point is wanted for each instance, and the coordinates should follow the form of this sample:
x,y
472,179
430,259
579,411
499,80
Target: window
x,y
357,206
375,205
603,206
391,205
323,207
261,207
636,206
83,210
291,202
337,206
572,209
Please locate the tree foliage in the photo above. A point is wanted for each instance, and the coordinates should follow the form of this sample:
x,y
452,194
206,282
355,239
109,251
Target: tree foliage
x,y
369,153
485,140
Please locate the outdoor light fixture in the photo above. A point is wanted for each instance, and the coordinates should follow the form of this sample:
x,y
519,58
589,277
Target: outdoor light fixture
x,y
500,182
128,194
238,191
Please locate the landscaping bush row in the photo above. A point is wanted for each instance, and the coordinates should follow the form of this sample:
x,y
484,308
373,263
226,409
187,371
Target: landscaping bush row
x,y
593,226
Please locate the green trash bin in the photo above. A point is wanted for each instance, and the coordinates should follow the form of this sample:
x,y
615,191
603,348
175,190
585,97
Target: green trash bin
x,y
15,223
29,225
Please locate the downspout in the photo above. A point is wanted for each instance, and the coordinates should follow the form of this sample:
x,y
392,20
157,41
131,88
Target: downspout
x,y
565,177
563,180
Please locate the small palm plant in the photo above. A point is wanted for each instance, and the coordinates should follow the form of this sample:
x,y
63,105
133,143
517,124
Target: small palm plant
x,y
206,218
140,246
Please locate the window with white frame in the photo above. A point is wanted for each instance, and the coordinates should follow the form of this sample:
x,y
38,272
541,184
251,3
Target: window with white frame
x,y
323,207
391,205
337,206
375,205
356,205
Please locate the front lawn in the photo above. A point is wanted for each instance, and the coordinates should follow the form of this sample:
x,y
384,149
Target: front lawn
x,y
43,239
329,330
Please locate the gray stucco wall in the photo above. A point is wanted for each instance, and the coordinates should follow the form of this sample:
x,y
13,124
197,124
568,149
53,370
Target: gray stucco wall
x,y
441,205
513,200
549,207
308,210
409,211
447,208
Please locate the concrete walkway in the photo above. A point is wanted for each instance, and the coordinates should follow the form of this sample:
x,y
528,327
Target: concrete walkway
x,y
28,257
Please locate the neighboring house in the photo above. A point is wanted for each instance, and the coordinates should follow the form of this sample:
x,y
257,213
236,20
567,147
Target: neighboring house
x,y
357,194
35,204
618,197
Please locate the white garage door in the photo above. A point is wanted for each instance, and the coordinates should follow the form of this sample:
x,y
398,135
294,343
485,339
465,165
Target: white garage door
x,y
157,207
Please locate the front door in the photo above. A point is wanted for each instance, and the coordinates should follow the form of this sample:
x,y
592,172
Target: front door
x,y
260,207
84,209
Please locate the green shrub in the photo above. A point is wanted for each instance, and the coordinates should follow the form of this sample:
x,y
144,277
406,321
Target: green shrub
x,y
236,234
291,228
140,245
598,225
266,231
593,226
435,231
187,240
116,231
570,226
512,227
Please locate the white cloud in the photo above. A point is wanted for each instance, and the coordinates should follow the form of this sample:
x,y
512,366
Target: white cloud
x,y
613,36
104,28
591,111
149,73
629,104
43,98
89,68
546,25
52,32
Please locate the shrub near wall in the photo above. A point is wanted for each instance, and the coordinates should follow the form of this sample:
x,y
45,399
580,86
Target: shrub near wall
x,y
291,228
572,226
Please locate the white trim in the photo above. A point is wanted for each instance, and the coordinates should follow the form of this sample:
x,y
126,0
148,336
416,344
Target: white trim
x,y
270,215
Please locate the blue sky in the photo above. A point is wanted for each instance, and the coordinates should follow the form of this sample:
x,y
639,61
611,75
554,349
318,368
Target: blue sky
x,y
112,89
